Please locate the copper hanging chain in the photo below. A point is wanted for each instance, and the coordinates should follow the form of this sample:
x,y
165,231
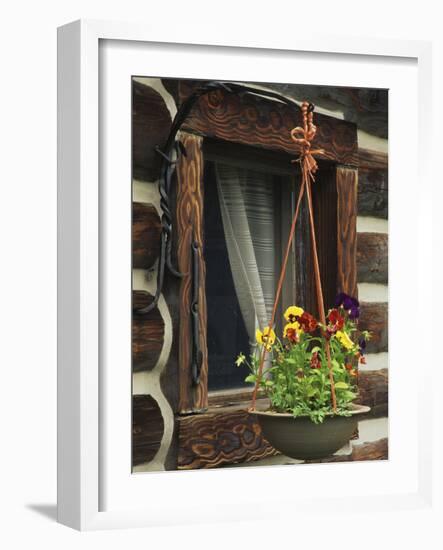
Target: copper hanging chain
x,y
303,137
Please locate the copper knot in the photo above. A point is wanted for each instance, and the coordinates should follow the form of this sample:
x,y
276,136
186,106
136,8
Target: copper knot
x,y
304,137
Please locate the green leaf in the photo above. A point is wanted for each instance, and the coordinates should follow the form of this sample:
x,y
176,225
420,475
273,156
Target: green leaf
x,y
341,386
250,378
348,395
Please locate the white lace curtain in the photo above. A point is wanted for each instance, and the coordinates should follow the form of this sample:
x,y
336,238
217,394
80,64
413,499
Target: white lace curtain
x,y
247,207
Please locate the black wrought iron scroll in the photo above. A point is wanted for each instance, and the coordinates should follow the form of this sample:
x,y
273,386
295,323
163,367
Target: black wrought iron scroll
x,y
170,153
197,354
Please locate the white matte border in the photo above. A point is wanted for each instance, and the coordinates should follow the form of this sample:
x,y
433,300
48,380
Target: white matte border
x,y
125,495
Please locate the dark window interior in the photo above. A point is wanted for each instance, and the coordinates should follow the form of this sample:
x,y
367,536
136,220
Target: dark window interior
x,y
226,331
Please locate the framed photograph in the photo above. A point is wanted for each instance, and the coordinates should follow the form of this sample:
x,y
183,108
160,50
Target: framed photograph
x,y
233,297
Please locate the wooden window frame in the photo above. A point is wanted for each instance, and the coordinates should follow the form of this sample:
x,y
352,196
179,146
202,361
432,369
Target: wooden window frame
x,y
265,125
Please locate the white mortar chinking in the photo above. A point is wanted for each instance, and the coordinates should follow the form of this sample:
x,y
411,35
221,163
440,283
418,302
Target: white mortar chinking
x,y
375,361
371,430
146,192
373,292
369,224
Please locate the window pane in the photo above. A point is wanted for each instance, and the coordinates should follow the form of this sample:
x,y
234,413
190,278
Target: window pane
x,y
243,248
226,331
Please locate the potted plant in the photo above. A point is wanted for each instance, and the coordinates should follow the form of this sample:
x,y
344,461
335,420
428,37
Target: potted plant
x,y
301,421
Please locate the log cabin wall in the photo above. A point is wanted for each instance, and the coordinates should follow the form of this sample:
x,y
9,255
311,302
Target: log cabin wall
x,y
155,366
152,414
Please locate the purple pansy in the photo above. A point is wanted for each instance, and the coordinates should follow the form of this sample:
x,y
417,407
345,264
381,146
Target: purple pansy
x,y
354,312
350,304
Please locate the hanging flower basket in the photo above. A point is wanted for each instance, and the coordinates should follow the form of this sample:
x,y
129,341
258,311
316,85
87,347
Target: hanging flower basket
x,y
311,380
309,362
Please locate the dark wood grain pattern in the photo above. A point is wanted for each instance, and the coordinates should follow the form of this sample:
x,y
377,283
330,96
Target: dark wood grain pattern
x,y
146,230
373,391
373,184
325,202
346,179
374,317
253,120
147,428
147,333
367,107
219,437
189,226
372,257
370,159
373,193
151,122
374,450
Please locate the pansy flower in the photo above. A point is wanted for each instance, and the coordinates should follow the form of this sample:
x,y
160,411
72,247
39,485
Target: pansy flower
x,y
344,340
292,332
315,361
352,370
350,304
336,321
307,322
292,313
266,338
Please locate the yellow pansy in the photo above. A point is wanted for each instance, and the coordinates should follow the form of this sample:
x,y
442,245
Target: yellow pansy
x,y
267,337
344,339
292,312
290,328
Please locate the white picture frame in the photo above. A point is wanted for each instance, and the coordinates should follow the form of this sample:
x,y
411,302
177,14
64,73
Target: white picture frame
x,y
85,401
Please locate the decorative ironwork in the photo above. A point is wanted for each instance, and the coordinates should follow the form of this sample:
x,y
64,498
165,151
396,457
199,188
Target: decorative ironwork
x,y
197,355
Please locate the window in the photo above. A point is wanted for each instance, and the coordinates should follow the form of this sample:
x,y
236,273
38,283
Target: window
x,y
232,142
248,206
